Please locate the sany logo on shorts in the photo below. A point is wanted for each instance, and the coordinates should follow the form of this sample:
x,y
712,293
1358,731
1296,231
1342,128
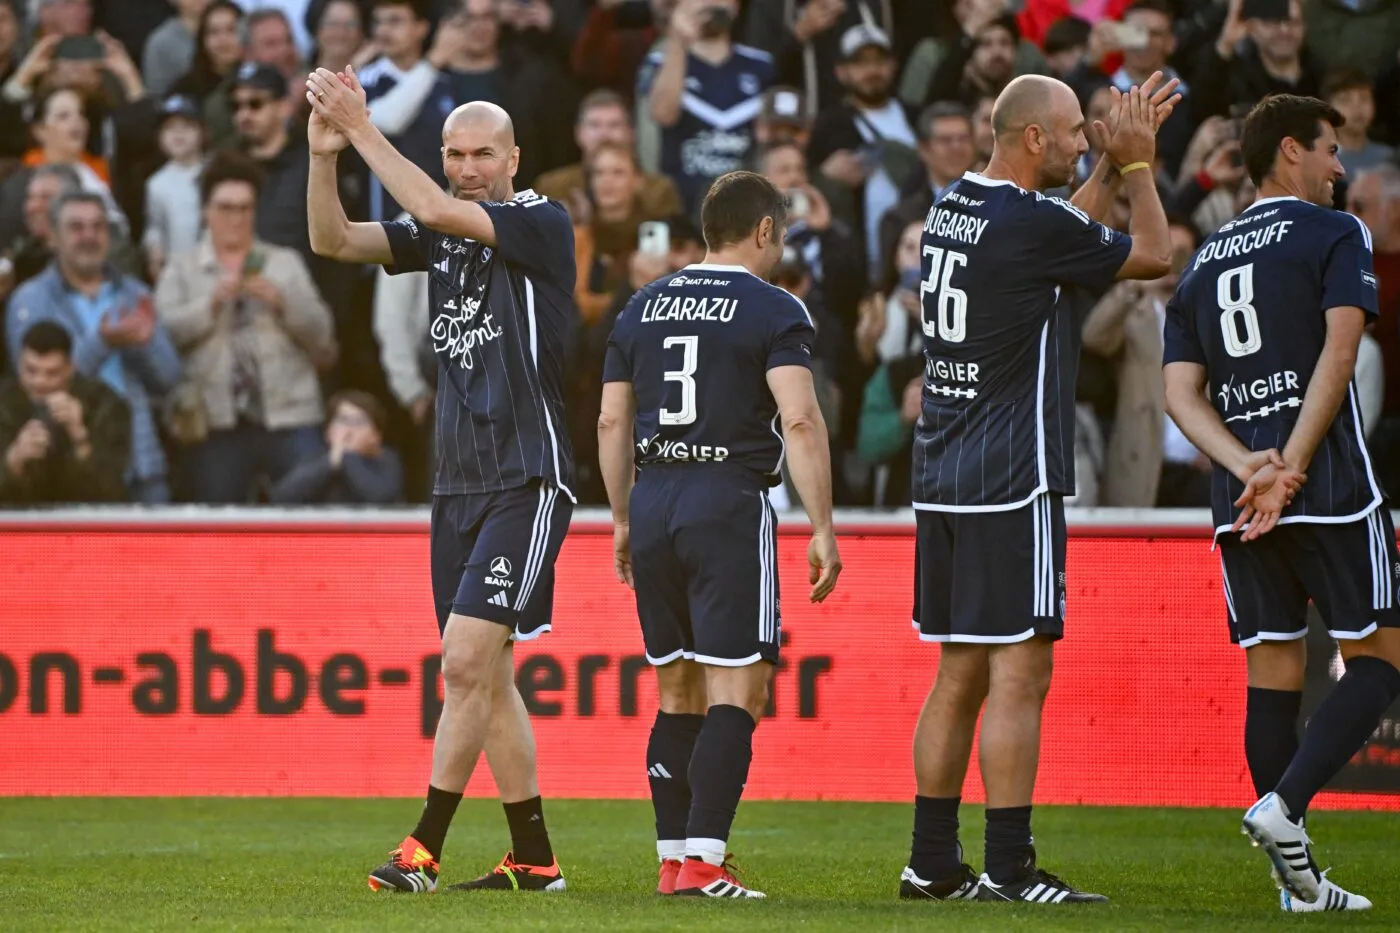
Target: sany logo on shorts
x,y
500,570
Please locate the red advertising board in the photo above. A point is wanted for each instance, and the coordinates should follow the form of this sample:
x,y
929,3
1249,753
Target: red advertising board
x,y
303,662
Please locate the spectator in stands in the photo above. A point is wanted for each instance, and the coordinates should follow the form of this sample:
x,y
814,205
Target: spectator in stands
x,y
340,36
866,146
1352,92
218,50
67,438
603,120
982,134
62,18
253,330
804,38
946,150
1038,18
261,110
1251,60
958,19
11,112
1374,197
546,28
890,405
892,327
1149,462
784,118
1147,46
31,251
703,90
400,320
169,51
616,37
981,60
113,325
606,222
271,42
172,192
1361,34
1066,42
355,468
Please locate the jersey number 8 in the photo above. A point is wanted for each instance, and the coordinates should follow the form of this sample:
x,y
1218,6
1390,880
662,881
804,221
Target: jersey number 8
x,y
950,324
690,353
1239,321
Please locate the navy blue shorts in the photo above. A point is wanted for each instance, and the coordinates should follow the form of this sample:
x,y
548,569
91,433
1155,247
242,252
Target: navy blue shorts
x,y
991,577
704,559
1348,570
493,555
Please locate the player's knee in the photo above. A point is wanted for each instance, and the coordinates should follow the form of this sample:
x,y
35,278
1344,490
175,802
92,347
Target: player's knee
x,y
465,668
1275,665
1021,683
1383,644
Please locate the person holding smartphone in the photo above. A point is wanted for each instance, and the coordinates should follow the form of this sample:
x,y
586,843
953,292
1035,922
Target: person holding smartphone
x,y
1260,51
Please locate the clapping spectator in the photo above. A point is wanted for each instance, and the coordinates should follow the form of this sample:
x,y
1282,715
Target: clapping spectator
x,y
66,437
172,192
603,120
113,326
1352,92
218,50
355,468
703,91
253,331
169,50
866,146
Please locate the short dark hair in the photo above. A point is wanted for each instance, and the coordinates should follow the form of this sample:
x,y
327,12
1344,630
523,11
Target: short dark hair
x,y
736,204
602,97
263,15
1005,21
46,337
419,7
229,165
1280,117
1151,6
1346,79
364,402
942,110
1066,33
74,196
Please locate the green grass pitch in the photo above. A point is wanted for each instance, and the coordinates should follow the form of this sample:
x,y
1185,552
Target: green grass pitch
x,y
279,864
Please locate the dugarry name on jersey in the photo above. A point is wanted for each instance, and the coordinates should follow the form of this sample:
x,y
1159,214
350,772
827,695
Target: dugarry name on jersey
x,y
500,318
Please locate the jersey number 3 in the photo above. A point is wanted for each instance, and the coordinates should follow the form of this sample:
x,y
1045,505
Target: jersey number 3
x,y
1239,321
949,319
690,354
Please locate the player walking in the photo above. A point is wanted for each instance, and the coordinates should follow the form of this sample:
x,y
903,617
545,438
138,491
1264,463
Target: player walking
x,y
700,367
1260,349
993,458
501,279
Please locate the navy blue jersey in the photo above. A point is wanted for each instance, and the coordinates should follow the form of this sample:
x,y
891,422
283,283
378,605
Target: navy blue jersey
x,y
1251,309
1001,349
697,347
715,130
420,141
500,318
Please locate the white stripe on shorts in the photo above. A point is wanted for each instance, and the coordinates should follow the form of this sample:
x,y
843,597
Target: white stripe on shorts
x,y
539,544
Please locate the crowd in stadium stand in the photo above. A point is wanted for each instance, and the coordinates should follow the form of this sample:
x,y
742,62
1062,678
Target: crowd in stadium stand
x,y
170,336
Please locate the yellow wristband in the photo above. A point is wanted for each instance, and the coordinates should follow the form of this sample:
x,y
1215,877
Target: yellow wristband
x,y
1132,167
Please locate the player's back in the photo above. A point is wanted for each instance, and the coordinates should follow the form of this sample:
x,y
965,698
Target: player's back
x,y
697,347
1251,308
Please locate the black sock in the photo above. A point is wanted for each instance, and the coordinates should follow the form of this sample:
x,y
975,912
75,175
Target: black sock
x,y
1338,728
529,840
936,854
672,740
719,768
1008,843
1270,734
438,811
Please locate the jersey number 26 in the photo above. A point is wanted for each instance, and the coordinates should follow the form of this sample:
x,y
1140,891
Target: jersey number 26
x,y
949,320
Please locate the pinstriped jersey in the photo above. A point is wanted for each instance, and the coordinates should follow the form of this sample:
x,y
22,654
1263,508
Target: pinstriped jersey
x,y
696,347
500,318
1251,308
1001,343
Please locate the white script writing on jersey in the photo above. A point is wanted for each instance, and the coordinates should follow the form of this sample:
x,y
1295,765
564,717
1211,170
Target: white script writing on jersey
x,y
680,451
1240,243
689,308
1234,399
961,227
457,332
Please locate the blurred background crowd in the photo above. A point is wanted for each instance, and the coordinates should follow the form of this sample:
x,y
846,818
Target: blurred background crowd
x,y
169,336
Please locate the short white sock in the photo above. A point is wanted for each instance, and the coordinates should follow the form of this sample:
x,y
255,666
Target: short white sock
x,y
711,850
673,849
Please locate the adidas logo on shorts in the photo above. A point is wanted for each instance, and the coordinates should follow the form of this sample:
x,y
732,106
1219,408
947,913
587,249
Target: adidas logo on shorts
x,y
499,600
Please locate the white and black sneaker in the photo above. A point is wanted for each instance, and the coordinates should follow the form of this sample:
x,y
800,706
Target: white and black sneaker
x,y
1332,896
959,887
1036,886
1286,843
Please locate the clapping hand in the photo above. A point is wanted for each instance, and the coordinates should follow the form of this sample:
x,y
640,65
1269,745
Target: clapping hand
x,y
339,99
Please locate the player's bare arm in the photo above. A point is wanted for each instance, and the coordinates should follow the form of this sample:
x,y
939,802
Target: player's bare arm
x,y
1263,472
1133,146
332,233
341,103
1328,385
1095,196
615,460
809,460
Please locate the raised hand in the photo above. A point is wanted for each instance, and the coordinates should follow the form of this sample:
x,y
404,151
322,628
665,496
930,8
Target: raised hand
x,y
338,99
1134,138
